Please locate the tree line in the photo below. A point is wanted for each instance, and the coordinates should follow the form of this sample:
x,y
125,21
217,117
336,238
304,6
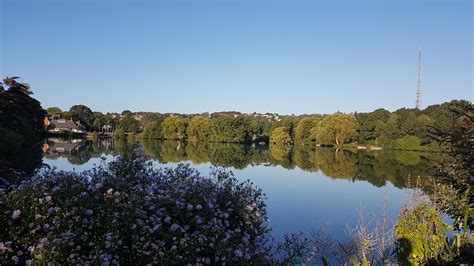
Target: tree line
x,y
403,129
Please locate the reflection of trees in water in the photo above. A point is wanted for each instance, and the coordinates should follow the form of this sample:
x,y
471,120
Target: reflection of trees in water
x,y
336,163
281,154
198,152
26,159
389,166
229,154
172,151
375,167
303,157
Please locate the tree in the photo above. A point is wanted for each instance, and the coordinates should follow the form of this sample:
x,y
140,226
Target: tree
x,y
54,111
153,130
174,127
280,136
128,124
19,112
82,113
126,112
337,129
98,120
303,129
457,169
389,130
150,118
289,122
199,129
21,127
231,129
444,115
368,123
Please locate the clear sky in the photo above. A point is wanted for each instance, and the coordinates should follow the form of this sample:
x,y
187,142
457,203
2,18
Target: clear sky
x,y
264,56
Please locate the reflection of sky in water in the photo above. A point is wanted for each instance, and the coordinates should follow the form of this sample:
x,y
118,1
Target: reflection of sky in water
x,y
299,200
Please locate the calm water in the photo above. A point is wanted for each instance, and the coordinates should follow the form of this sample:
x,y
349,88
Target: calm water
x,y
307,188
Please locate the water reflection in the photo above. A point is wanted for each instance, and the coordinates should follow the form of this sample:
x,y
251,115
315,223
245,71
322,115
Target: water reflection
x,y
377,168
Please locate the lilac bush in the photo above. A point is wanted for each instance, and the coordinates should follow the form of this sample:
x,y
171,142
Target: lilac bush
x,y
128,212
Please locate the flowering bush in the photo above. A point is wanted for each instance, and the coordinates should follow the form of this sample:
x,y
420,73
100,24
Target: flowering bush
x,y
128,212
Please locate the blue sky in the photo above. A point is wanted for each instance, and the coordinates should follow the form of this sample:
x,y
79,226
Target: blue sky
x,y
264,56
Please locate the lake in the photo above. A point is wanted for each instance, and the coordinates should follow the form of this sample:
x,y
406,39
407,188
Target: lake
x,y
307,188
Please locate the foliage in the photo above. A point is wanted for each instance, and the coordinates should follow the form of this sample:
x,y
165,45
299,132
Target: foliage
x,y
368,123
54,111
119,133
82,113
153,130
126,112
127,212
21,126
280,136
444,115
407,142
174,127
199,129
421,234
231,129
337,129
129,124
457,170
303,129
288,122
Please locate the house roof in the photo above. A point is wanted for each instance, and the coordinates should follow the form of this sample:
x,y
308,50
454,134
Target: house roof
x,y
63,123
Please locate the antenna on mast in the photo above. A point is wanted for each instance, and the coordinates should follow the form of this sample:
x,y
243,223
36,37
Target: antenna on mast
x,y
418,88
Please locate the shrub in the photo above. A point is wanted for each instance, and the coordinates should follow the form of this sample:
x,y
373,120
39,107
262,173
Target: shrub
x,y
129,212
421,234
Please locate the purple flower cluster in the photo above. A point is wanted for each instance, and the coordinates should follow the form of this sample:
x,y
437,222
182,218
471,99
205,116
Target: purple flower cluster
x,y
128,212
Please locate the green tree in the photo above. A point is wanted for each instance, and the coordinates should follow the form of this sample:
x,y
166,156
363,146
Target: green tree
x,y
289,122
126,112
98,120
54,111
303,129
21,127
149,118
199,129
337,129
153,130
129,124
174,127
231,129
389,130
280,136
82,113
368,123
444,115
421,234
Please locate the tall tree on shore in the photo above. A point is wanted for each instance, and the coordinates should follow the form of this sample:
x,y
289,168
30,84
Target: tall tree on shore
x,y
199,129
82,113
21,127
174,127
337,129
303,129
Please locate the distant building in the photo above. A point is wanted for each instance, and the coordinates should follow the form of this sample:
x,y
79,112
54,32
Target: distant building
x,y
61,125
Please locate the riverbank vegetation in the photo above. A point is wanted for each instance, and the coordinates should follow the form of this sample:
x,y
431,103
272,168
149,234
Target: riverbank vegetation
x,y
403,129
177,216
21,127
